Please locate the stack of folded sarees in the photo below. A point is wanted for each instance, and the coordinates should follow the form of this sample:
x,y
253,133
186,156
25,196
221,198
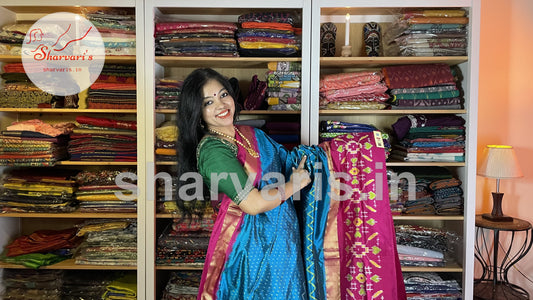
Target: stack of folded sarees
x,y
167,92
98,191
354,90
431,285
19,92
11,38
86,284
196,39
428,32
429,138
427,191
424,246
185,240
32,284
166,136
448,196
269,34
37,190
117,28
41,248
34,143
425,86
166,195
115,88
182,285
284,86
108,242
103,139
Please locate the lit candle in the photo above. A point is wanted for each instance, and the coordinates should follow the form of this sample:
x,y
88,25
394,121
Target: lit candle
x,y
347,37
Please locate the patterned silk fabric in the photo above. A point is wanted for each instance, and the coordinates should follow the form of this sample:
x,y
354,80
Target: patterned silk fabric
x,y
369,263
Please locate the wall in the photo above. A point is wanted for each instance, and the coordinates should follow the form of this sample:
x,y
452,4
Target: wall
x,y
505,109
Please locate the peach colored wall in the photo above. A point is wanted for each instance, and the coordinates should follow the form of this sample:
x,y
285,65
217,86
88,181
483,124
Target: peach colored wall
x,y
506,109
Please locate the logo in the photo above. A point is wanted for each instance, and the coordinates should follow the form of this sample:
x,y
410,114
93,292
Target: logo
x,y
63,54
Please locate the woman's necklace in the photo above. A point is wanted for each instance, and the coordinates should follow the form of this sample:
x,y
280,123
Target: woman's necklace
x,y
248,147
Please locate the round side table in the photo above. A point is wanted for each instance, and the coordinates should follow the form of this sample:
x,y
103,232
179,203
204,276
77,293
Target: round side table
x,y
494,283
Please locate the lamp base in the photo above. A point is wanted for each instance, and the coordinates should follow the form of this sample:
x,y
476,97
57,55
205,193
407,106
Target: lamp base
x,y
497,214
497,218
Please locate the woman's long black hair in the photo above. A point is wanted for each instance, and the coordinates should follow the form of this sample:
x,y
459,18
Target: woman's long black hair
x,y
191,127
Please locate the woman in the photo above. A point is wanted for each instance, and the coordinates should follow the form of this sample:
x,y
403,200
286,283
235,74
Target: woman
x,y
340,250
254,251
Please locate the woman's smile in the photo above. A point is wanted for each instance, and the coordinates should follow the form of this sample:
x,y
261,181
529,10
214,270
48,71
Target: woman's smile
x,y
224,114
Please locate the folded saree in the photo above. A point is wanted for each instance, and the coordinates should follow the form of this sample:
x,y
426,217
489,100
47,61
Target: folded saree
x,y
278,17
284,66
160,27
346,80
445,13
105,122
411,76
268,25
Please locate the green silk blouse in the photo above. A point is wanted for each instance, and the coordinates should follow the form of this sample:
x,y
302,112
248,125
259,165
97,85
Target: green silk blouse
x,y
217,159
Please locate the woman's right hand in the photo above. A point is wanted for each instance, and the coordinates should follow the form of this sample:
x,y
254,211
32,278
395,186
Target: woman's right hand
x,y
300,176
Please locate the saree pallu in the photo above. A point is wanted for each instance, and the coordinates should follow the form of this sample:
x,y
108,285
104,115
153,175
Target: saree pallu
x,y
311,246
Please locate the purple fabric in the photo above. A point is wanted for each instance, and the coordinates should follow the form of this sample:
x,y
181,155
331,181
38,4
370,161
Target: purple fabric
x,y
402,125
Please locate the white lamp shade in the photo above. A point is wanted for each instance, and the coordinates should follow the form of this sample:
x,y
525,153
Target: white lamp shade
x,y
499,161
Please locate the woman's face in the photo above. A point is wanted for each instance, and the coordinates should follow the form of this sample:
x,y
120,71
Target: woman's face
x,y
218,106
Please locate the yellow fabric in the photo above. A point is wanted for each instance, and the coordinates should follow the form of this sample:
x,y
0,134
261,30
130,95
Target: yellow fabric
x,y
273,100
443,13
19,204
102,227
167,132
100,197
38,187
82,99
163,151
263,45
126,285
170,206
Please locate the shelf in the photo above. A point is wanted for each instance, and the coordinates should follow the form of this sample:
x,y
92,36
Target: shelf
x,y
428,218
219,62
198,267
126,59
166,163
69,264
73,6
242,112
424,164
166,216
69,110
72,215
95,163
389,111
347,62
451,268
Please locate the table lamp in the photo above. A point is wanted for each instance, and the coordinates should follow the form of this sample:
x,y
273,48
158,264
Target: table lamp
x,y
498,161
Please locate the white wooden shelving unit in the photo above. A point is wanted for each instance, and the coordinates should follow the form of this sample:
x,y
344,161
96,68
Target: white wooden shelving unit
x,y
363,11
